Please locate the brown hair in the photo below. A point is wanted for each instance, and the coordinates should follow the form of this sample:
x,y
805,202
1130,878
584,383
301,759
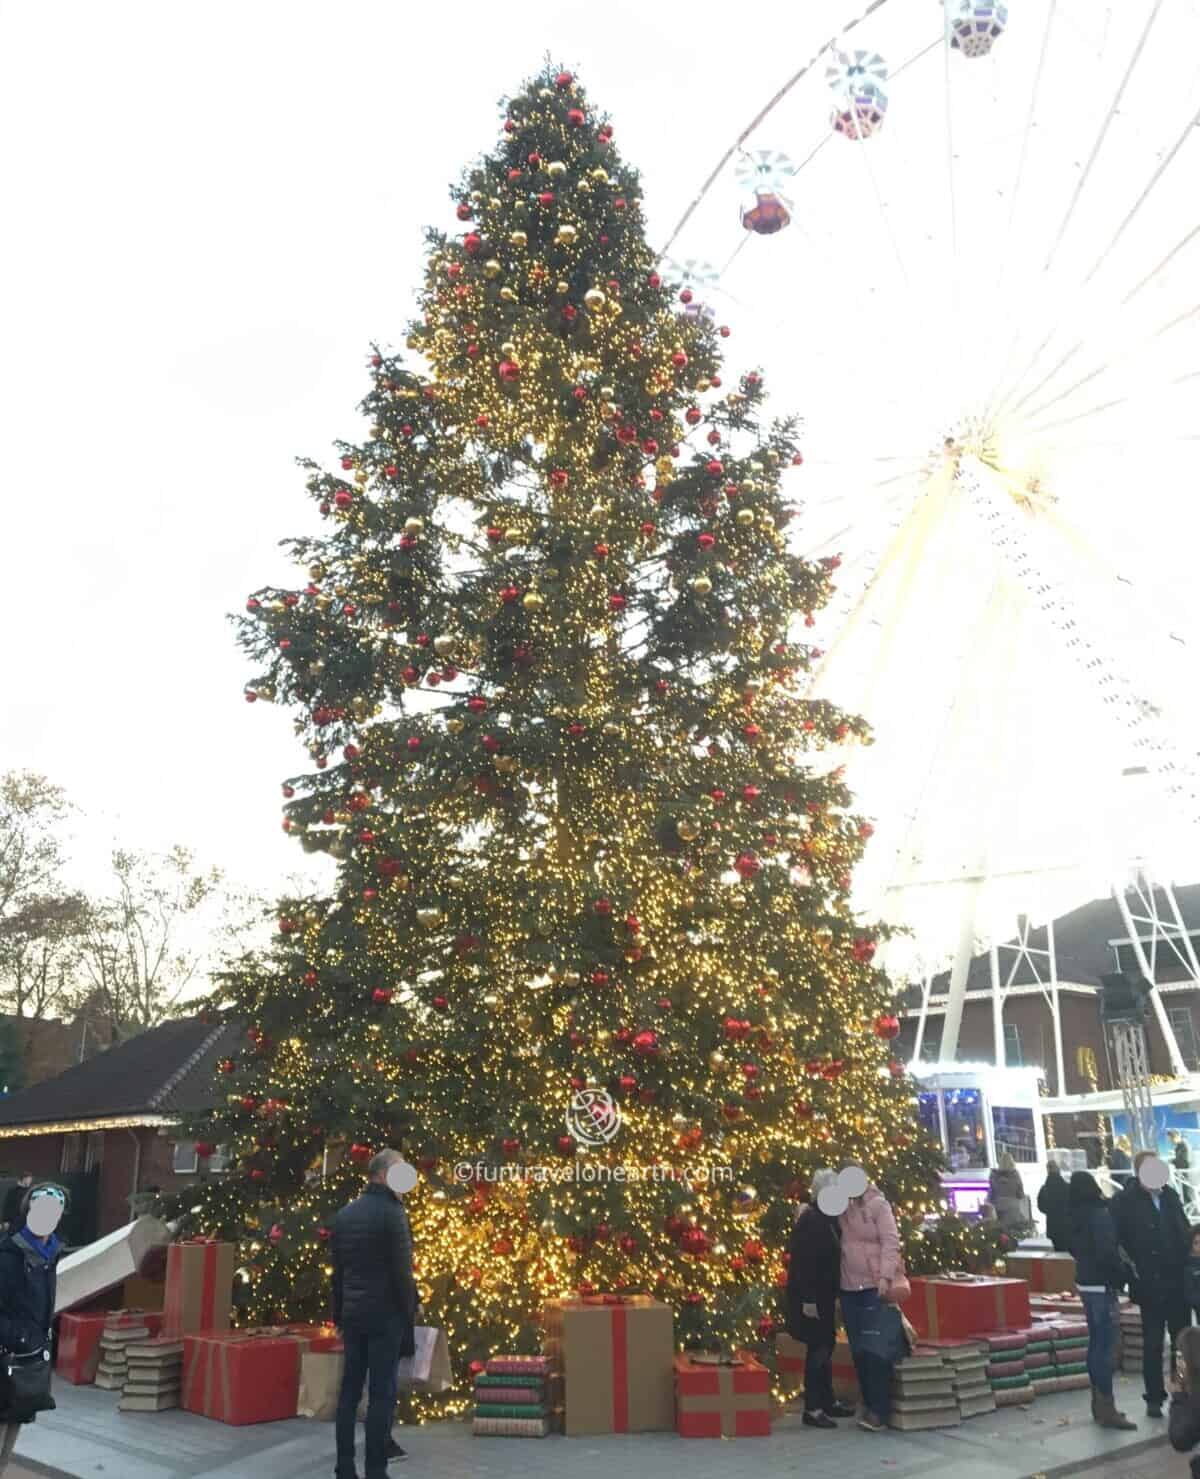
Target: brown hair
x,y
1188,1346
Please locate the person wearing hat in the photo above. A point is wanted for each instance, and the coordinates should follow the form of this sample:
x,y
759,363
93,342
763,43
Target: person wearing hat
x,y
28,1283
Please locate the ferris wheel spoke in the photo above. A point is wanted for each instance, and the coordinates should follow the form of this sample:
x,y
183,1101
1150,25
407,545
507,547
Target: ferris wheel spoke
x,y
1105,125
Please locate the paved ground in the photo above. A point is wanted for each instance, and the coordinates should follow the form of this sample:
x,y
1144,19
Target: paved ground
x,y
88,1439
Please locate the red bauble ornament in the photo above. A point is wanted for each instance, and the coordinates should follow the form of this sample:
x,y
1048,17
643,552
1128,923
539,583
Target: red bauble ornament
x,y
603,907
343,498
472,242
564,79
695,1240
679,359
751,732
276,1233
324,1234
360,1153
645,1043
510,1145
575,117
896,1068
226,1065
509,371
463,212
627,1243
440,1004
746,865
204,1149
864,951
617,602
887,1026
714,468
628,1083
258,1174
381,995
566,1145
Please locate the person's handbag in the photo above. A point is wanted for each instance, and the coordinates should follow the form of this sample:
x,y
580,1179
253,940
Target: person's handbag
x,y
25,1385
428,1369
882,1334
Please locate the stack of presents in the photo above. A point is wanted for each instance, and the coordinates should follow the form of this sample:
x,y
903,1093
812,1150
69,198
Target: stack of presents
x,y
608,1363
180,1352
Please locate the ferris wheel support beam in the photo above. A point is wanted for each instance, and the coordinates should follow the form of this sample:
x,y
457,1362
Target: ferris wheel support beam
x,y
1147,964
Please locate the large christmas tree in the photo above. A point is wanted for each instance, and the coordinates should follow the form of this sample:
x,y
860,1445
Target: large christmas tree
x,y
591,960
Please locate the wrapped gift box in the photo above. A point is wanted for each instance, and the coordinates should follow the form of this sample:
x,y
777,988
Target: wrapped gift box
x,y
142,1293
729,1400
246,1376
1045,1273
89,1271
79,1347
199,1288
946,1307
616,1355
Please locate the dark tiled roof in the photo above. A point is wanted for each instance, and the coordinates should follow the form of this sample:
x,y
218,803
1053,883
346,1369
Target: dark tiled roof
x,y
163,1071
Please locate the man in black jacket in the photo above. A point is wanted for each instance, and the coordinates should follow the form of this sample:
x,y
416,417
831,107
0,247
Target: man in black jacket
x,y
1155,1235
374,1305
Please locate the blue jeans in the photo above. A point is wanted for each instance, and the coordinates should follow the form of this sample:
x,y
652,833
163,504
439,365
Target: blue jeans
x,y
1102,1321
372,1357
874,1373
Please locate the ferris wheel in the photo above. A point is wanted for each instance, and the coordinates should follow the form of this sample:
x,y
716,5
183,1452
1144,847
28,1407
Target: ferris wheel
x,y
970,230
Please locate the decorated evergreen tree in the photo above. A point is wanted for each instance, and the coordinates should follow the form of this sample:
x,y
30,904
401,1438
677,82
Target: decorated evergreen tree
x,y
595,849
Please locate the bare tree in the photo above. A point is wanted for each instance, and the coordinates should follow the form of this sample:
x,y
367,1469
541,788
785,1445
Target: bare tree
x,y
38,924
141,945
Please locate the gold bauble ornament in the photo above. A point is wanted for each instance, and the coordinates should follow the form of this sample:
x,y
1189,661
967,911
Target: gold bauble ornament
x,y
594,299
266,693
316,572
556,169
506,764
562,288
745,517
429,916
597,511
767,521
518,239
531,600
612,730
412,342
545,93
546,1227
607,393
492,268
687,829
679,1121
716,1059
413,525
494,202
444,644
702,585
508,349
455,726
600,175
513,536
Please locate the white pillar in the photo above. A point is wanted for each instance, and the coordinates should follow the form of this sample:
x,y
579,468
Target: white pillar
x,y
958,975
1178,1066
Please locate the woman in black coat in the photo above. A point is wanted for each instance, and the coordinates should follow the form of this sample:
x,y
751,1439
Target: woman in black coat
x,y
1053,1205
28,1283
1100,1275
814,1271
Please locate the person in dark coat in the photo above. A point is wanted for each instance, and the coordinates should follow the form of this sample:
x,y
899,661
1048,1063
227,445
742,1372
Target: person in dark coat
x,y
1053,1200
375,1303
1184,1426
814,1272
1182,1161
1156,1237
14,1201
1100,1275
28,1283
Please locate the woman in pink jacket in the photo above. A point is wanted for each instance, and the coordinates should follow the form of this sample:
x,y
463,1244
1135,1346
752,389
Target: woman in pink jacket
x,y
870,1263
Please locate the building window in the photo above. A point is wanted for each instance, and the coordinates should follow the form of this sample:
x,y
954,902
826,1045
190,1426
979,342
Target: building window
x,y
72,1154
931,1043
94,1154
1012,1046
219,1160
1183,1025
184,1160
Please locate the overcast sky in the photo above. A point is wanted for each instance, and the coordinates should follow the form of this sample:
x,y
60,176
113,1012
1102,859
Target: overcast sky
x,y
211,210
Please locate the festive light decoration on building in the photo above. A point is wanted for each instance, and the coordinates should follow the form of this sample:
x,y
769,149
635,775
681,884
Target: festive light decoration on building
x,y
545,662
